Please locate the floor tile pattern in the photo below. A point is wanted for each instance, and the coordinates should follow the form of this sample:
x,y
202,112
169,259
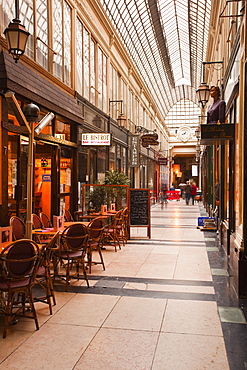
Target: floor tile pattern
x,y
161,304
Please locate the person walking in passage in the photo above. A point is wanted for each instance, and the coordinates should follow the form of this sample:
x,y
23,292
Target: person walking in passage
x,y
164,196
193,192
187,192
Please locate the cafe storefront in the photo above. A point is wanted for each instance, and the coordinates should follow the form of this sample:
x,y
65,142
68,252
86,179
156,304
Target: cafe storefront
x,y
55,166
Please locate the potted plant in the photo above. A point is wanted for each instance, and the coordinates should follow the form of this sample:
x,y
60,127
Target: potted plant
x,y
116,194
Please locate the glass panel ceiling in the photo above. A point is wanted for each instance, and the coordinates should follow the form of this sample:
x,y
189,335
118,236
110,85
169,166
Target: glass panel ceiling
x,y
167,40
183,113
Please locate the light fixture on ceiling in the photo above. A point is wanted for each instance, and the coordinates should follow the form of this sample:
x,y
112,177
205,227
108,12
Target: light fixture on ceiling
x,y
16,35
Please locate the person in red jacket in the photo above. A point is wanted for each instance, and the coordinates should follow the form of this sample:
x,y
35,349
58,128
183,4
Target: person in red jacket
x,y
193,192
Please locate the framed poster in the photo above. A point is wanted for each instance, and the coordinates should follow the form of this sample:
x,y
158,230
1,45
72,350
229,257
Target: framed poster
x,y
5,234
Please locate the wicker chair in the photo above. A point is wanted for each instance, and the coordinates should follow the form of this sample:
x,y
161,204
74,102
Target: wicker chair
x,y
18,228
19,265
112,232
45,220
72,251
68,216
95,233
37,224
43,277
124,235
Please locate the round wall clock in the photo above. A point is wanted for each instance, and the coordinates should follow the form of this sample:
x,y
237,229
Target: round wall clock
x,y
184,133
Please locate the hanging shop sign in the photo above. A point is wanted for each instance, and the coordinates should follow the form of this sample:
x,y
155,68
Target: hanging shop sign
x,y
96,139
162,161
211,133
134,151
149,139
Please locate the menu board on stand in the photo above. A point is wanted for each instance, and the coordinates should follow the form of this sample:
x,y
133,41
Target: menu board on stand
x,y
139,206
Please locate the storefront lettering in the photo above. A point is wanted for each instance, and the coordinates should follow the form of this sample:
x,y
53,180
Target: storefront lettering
x,y
96,139
134,151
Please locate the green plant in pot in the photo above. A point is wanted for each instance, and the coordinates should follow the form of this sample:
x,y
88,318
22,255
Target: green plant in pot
x,y
116,194
95,198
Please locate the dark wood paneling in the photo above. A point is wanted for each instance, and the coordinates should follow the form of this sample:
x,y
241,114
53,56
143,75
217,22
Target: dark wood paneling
x,y
31,85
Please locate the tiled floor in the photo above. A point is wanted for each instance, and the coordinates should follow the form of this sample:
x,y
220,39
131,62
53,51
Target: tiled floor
x,y
162,303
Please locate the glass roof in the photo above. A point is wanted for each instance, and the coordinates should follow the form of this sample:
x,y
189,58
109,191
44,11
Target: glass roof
x,y
167,41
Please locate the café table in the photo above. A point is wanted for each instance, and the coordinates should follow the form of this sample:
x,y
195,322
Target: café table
x,y
4,245
52,230
67,224
94,215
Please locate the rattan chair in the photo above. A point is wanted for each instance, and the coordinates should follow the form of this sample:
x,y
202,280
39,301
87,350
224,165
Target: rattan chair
x,y
112,232
43,277
45,220
95,233
19,264
18,228
124,234
36,221
68,216
72,251
37,224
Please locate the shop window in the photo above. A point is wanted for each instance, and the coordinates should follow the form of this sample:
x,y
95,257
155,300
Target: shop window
x,y
17,175
42,33
93,166
101,165
123,168
79,53
62,130
112,157
65,170
64,204
62,14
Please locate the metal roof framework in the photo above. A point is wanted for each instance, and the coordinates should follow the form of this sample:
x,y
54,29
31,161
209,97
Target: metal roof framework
x,y
167,41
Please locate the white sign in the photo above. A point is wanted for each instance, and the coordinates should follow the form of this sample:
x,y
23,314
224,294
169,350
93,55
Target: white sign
x,y
194,170
96,139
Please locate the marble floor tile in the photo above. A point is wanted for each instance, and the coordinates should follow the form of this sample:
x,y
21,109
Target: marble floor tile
x,y
170,288
16,336
131,256
161,259
193,264
136,314
190,352
169,249
84,309
232,314
156,272
128,330
55,347
117,349
192,317
121,269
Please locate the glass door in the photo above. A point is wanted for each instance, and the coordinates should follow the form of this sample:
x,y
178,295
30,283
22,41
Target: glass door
x,y
42,178
17,175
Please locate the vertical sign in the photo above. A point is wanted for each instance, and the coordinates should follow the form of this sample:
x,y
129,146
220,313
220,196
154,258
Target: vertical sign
x,y
134,151
194,170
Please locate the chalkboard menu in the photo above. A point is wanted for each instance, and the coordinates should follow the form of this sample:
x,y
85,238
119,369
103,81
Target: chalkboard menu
x,y
139,207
